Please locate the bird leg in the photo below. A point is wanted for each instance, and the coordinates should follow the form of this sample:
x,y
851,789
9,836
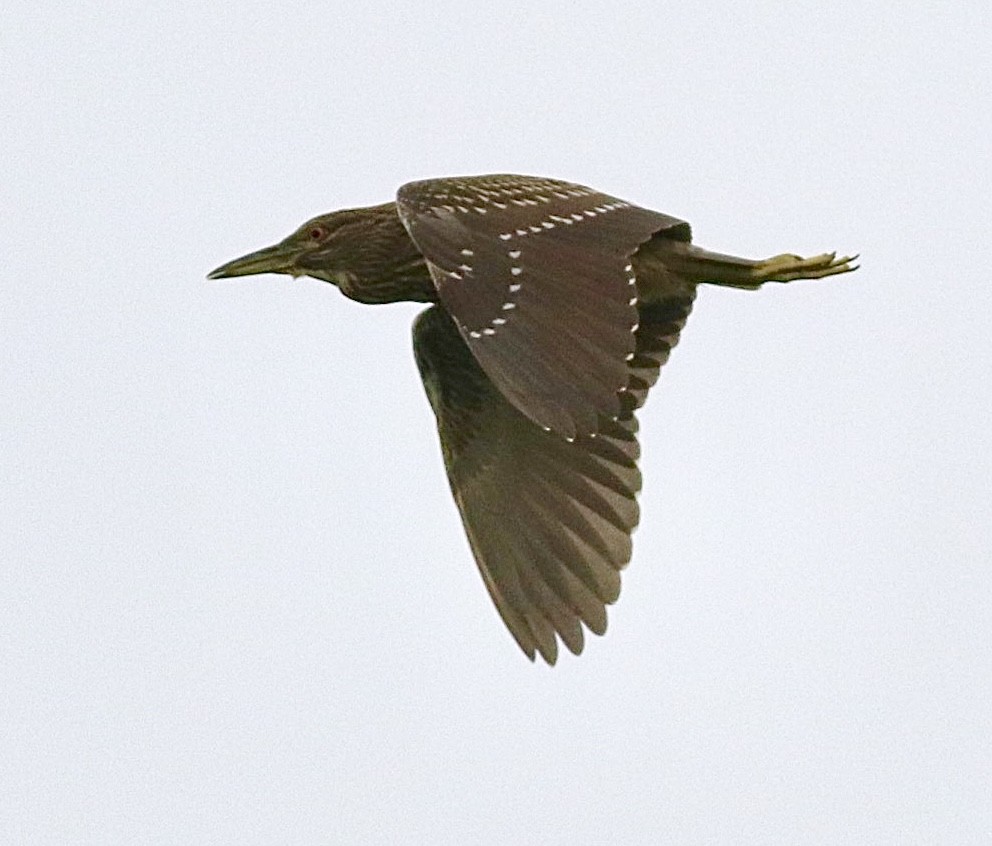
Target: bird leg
x,y
697,265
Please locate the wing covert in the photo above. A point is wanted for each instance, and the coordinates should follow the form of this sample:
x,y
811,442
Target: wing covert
x,y
538,276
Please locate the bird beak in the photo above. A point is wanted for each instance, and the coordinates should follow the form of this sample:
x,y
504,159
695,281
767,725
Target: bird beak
x,y
275,259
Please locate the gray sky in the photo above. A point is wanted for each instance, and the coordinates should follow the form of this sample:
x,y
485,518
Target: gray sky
x,y
236,603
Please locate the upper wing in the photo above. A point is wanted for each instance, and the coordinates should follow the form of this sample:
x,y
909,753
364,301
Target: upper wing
x,y
539,278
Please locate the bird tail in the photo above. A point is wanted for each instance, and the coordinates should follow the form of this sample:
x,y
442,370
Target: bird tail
x,y
702,266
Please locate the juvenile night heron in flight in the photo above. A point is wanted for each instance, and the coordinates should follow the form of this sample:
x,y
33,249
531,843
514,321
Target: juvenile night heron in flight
x,y
553,308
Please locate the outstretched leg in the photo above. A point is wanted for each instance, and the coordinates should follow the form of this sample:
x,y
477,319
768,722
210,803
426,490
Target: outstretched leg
x,y
694,264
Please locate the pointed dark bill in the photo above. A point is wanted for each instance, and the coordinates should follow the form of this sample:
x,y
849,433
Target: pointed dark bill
x,y
274,259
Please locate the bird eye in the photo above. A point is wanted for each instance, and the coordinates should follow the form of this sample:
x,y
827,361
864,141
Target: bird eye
x,y
317,233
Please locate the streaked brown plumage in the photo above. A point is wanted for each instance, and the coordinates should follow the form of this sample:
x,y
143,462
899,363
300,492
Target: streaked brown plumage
x,y
555,306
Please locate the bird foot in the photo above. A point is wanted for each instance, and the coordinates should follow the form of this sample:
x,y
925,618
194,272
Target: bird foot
x,y
786,267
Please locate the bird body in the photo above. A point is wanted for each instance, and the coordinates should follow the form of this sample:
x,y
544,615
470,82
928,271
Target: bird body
x,y
554,307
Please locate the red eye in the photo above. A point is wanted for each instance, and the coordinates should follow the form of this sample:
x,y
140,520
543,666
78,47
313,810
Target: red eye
x,y
317,233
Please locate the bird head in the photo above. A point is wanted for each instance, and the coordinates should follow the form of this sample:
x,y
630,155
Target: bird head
x,y
320,247
366,252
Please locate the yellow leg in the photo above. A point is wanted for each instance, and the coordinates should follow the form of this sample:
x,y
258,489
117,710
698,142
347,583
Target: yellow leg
x,y
696,265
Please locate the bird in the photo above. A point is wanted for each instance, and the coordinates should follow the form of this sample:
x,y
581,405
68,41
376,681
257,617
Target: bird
x,y
553,307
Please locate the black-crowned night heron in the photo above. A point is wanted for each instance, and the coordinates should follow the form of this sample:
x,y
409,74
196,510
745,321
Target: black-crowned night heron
x,y
554,307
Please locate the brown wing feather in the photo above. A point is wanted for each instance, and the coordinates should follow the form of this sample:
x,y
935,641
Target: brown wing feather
x,y
539,279
665,300
548,520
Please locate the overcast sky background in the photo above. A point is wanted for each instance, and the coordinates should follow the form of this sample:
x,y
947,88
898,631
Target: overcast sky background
x,y
236,602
